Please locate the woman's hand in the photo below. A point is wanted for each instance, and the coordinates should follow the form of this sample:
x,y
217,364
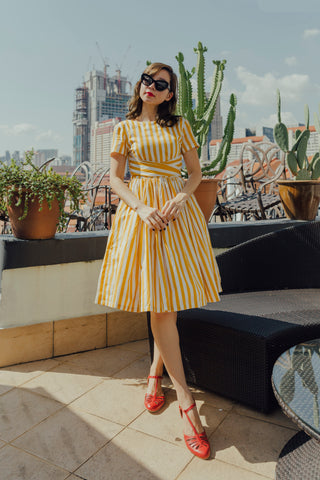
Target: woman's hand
x,y
152,217
173,207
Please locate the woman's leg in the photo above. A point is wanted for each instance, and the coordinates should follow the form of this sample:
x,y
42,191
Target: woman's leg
x,y
155,369
165,332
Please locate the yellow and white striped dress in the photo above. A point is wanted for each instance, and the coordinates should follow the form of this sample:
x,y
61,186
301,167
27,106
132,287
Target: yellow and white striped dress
x,y
150,270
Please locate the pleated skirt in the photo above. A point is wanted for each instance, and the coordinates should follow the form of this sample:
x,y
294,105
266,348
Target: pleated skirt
x,y
159,271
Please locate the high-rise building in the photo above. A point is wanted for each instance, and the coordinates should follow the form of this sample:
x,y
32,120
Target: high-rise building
x,y
101,97
101,139
216,129
81,127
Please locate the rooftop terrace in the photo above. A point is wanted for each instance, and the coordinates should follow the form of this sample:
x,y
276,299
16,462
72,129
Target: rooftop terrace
x,y
82,416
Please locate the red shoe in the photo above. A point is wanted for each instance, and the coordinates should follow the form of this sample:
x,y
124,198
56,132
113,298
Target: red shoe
x,y
198,444
154,402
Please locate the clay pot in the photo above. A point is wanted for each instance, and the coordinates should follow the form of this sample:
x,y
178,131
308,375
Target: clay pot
x,y
206,195
300,198
37,225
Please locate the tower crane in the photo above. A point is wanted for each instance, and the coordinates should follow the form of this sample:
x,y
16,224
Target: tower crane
x,y
105,65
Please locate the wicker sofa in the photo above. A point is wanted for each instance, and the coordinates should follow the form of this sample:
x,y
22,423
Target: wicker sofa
x,y
270,301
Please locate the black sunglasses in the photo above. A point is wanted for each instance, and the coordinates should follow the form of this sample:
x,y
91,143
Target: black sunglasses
x,y
159,85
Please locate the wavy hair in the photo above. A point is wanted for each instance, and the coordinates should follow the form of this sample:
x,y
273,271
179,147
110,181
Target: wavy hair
x,y
165,114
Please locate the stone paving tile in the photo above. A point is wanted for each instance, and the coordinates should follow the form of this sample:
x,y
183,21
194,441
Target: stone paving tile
x,y
19,465
104,362
277,416
15,375
20,410
140,346
167,424
64,383
212,398
214,469
249,443
68,438
136,372
114,400
134,455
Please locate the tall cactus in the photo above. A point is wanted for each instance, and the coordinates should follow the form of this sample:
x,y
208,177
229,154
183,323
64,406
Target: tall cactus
x,y
297,159
201,116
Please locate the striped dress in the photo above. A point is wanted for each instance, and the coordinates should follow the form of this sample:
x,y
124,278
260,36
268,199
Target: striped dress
x,y
151,270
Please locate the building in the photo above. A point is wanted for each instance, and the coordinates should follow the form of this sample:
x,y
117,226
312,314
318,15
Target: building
x,y
313,143
41,156
16,156
236,146
101,139
216,127
101,97
81,127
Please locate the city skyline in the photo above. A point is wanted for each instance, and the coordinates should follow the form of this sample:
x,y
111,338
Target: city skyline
x,y
47,48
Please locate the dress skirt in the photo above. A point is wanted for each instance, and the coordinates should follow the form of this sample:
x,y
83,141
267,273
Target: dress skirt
x,y
159,271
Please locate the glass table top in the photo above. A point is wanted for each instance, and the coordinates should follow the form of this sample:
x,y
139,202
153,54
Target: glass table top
x,y
296,382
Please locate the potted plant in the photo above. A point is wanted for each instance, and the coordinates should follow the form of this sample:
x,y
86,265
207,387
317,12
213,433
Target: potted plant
x,y
300,195
200,118
34,198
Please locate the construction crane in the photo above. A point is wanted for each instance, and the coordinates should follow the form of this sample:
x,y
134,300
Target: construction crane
x,y
119,68
105,65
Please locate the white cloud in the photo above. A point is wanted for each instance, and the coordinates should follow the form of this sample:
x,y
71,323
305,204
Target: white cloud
x,y
312,32
261,90
287,118
291,61
48,135
18,129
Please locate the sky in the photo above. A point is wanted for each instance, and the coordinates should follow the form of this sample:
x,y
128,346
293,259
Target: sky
x,y
46,47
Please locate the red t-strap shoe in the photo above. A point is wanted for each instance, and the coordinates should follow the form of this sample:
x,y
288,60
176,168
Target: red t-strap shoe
x,y
198,444
152,401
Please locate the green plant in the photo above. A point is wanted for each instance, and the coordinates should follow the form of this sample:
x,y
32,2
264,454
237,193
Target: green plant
x,y
296,157
31,182
201,116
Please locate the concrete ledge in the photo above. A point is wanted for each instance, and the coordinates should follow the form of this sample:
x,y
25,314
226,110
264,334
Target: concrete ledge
x,y
229,234
73,335
89,246
26,344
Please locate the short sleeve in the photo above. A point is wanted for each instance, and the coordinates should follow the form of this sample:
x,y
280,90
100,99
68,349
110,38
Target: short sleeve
x,y
188,139
120,140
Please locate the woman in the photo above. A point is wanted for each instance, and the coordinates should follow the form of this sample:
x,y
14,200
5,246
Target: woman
x,y
159,256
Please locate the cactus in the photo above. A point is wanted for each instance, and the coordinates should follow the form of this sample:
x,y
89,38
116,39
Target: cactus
x,y
296,158
201,116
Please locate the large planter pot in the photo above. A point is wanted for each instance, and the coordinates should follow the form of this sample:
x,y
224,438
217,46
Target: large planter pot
x,y
37,225
300,198
206,195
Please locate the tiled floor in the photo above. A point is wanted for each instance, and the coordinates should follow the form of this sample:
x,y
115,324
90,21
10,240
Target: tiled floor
x,y
82,416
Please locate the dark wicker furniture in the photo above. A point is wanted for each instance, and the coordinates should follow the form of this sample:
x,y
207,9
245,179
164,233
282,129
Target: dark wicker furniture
x,y
271,301
296,382
249,188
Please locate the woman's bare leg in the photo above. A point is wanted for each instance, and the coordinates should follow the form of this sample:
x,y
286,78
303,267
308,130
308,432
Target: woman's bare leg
x,y
165,332
155,369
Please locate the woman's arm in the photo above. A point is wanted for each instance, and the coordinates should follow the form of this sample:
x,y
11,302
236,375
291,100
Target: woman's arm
x,y
151,216
173,207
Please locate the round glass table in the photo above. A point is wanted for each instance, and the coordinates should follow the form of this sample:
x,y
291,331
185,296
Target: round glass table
x,y
296,383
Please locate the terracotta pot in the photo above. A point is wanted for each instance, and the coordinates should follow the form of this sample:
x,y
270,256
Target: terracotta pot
x,y
300,198
37,225
206,195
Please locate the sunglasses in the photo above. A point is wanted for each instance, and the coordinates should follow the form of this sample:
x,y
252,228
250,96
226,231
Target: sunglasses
x,y
159,85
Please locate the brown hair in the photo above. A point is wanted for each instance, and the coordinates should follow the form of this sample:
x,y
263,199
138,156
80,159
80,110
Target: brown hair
x,y
165,114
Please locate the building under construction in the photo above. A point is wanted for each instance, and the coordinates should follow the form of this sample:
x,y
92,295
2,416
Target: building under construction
x,y
100,98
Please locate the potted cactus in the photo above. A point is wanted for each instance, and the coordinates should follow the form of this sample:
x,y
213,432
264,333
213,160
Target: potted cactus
x,y
34,198
200,118
300,195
